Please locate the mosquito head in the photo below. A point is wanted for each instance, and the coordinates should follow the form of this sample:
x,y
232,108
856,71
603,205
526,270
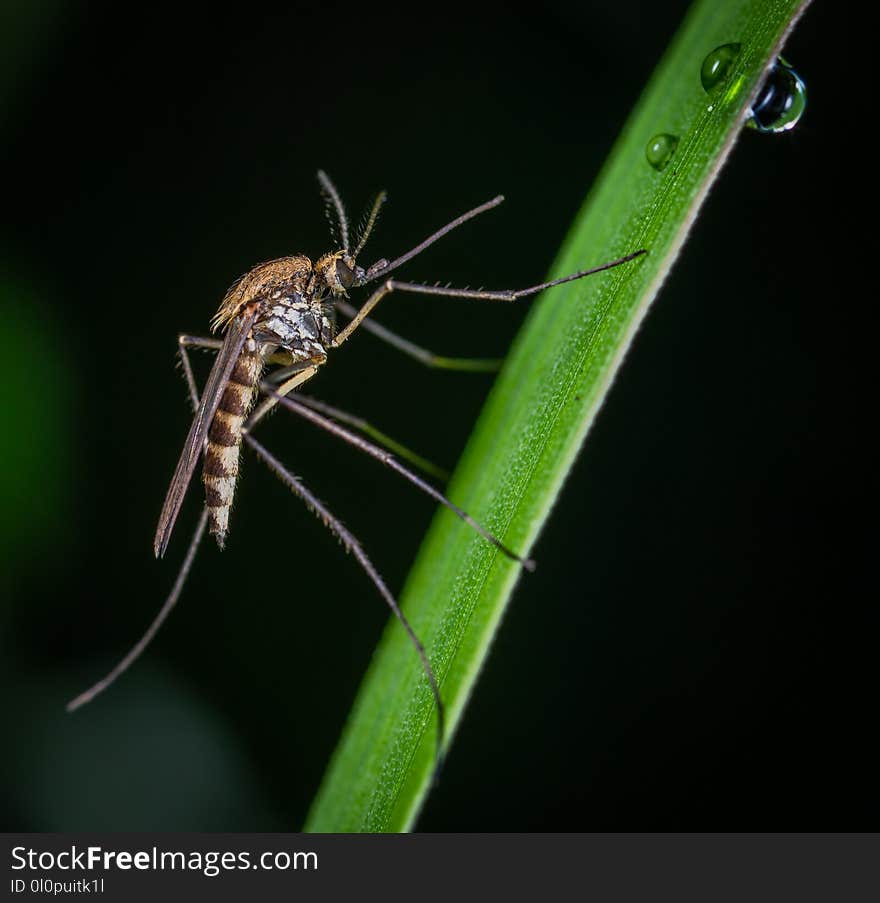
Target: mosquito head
x,y
337,272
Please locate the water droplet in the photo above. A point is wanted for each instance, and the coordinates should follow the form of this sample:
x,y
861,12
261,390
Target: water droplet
x,y
659,150
717,64
781,101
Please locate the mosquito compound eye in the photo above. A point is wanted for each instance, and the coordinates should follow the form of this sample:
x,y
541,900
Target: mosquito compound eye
x,y
344,274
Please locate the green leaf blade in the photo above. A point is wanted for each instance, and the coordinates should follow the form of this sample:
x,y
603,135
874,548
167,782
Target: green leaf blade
x,y
540,410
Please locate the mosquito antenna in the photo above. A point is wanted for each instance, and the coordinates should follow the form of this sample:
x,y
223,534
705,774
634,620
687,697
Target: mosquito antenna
x,y
164,611
390,461
368,222
332,200
383,268
351,544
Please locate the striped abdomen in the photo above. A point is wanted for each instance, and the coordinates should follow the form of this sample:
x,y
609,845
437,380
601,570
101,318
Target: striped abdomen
x,y
220,469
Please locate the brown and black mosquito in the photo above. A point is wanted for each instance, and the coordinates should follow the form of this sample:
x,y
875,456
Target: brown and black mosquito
x,y
280,325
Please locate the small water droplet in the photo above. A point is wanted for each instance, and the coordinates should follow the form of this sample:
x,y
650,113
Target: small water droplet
x,y
659,150
781,101
717,64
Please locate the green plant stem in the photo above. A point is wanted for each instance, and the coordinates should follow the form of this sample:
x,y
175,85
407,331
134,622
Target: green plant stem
x,y
532,427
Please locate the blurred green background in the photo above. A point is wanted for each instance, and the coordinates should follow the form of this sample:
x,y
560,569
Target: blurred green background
x,y
717,675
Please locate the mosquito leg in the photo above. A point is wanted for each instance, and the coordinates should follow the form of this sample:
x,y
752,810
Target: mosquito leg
x,y
189,341
423,355
363,313
509,295
347,539
377,435
169,603
298,375
160,618
351,544
186,366
444,292
282,374
390,461
279,376
195,341
290,377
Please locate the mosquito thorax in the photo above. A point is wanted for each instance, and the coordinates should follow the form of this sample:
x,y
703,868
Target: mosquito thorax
x,y
267,282
294,311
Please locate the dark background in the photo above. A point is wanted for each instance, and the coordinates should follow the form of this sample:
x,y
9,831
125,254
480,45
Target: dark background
x,y
706,666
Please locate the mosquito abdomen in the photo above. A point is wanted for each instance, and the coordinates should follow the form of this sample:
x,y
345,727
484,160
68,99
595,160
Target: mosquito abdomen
x,y
220,470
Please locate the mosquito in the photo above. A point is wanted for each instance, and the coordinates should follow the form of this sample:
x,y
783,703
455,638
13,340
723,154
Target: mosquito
x,y
281,317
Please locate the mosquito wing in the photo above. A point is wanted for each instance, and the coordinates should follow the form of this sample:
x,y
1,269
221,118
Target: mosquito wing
x,y
236,336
